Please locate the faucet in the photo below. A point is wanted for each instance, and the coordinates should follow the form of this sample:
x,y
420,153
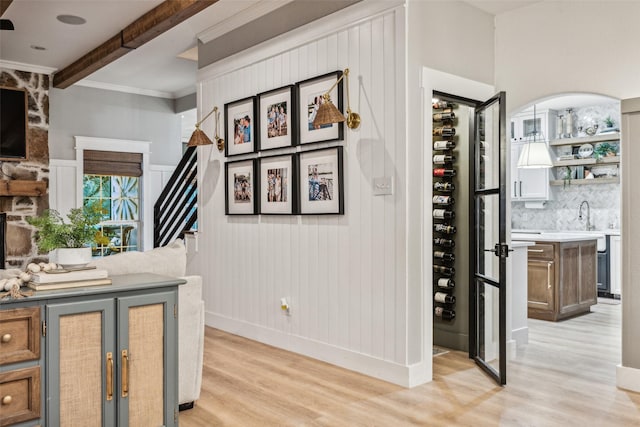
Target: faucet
x,y
588,225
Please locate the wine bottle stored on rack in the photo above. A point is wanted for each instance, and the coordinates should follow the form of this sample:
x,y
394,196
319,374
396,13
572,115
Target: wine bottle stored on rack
x,y
444,145
445,256
445,243
443,269
444,313
443,200
446,283
444,298
443,214
440,105
444,186
444,228
443,172
445,131
441,159
443,116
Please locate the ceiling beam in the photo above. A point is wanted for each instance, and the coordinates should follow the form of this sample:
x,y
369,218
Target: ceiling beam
x,y
4,5
150,25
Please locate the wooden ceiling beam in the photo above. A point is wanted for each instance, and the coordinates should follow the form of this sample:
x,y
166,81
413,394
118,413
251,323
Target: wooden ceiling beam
x,y
150,25
4,5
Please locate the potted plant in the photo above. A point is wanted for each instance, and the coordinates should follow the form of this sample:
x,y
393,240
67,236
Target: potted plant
x,y
68,243
604,149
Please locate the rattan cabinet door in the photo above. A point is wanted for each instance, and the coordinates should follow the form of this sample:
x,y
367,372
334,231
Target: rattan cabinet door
x,y
80,341
147,354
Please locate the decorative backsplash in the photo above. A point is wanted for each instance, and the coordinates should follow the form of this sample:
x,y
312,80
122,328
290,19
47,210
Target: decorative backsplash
x,y
561,213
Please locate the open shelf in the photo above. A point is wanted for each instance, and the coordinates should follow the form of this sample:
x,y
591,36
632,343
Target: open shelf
x,y
589,161
615,180
613,136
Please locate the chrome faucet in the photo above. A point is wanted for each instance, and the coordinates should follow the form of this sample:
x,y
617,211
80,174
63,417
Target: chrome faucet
x,y
588,225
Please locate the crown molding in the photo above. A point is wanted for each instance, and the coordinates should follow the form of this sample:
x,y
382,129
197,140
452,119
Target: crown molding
x,y
244,16
125,89
31,68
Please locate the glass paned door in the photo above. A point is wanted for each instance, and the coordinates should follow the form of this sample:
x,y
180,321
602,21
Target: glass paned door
x,y
488,303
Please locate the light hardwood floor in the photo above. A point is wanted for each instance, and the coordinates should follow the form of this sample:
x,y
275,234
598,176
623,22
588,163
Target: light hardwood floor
x,y
565,376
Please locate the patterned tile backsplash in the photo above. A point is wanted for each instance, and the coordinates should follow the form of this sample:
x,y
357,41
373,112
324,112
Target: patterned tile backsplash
x,y
561,212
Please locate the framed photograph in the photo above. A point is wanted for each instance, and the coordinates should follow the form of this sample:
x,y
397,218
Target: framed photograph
x,y
241,193
240,128
276,179
321,182
310,96
277,118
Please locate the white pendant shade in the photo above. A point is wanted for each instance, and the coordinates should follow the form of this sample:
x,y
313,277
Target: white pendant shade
x,y
534,155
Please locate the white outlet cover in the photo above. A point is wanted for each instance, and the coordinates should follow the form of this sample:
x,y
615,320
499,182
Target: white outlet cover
x,y
382,185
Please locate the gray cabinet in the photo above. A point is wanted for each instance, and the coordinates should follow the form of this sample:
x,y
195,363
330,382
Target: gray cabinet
x,y
110,353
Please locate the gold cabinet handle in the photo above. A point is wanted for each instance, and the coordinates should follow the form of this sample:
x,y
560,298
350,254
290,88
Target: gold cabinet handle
x,y
538,251
109,376
125,373
6,338
549,275
6,400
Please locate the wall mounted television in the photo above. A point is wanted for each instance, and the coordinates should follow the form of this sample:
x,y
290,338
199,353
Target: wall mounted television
x,y
13,124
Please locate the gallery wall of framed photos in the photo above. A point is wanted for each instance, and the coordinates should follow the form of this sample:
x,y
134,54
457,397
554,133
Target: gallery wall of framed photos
x,y
278,171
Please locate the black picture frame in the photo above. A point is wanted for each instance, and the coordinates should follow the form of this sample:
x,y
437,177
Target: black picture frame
x,y
274,131
236,114
241,195
321,181
277,181
309,94
14,123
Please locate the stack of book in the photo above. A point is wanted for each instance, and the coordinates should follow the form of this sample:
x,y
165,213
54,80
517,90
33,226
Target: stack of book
x,y
61,279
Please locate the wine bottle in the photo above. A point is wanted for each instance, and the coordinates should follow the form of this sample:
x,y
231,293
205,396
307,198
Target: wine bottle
x,y
439,105
444,115
443,214
444,145
444,131
441,159
443,228
444,313
446,283
443,186
444,298
439,172
445,256
443,269
445,243
443,200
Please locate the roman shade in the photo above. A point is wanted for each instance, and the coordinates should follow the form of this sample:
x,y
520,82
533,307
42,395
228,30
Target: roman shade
x,y
112,163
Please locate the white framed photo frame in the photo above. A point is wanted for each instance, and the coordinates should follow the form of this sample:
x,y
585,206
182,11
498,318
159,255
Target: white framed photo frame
x,y
240,127
321,182
277,178
276,118
310,96
240,187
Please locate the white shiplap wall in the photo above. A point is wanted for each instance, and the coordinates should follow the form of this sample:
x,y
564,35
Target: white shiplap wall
x,y
344,276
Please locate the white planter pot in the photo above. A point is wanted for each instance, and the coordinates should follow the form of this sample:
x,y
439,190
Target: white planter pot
x,y
71,257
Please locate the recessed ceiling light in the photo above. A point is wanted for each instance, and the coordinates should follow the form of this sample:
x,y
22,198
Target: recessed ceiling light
x,y
71,19
36,47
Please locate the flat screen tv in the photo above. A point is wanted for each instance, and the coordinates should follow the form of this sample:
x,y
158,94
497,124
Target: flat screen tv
x,y
13,124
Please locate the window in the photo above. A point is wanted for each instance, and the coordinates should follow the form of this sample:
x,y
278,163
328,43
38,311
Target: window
x,y
111,181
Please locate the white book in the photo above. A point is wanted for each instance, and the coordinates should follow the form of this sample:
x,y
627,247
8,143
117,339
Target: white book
x,y
70,276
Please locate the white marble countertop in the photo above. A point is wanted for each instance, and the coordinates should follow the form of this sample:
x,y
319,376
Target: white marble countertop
x,y
516,244
609,231
556,237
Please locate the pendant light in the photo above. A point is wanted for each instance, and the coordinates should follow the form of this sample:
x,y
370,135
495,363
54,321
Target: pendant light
x,y
534,153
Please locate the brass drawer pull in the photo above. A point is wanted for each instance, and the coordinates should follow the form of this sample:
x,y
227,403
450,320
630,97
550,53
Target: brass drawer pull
x,y
125,373
549,264
537,251
6,338
109,376
6,400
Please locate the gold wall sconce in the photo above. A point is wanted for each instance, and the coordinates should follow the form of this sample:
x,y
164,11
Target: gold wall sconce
x,y
200,138
328,113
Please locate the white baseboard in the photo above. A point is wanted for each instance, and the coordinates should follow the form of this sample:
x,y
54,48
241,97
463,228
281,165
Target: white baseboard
x,y
405,376
521,335
628,378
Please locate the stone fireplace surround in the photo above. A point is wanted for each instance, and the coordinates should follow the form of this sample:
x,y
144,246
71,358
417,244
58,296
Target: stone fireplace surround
x,y
20,247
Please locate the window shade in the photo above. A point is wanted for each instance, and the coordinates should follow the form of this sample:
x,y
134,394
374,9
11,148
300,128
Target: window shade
x,y
112,163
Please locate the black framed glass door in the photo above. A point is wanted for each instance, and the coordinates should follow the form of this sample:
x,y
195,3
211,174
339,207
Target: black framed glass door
x,y
489,249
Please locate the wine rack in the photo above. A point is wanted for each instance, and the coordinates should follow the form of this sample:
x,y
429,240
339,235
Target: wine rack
x,y
444,213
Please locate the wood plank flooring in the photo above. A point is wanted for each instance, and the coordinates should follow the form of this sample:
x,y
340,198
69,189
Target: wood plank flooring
x,y
565,376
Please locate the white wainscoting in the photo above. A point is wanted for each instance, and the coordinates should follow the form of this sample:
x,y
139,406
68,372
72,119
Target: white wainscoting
x,y
345,277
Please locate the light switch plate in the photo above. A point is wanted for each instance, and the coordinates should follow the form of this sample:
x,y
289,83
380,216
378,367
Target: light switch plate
x,y
382,186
